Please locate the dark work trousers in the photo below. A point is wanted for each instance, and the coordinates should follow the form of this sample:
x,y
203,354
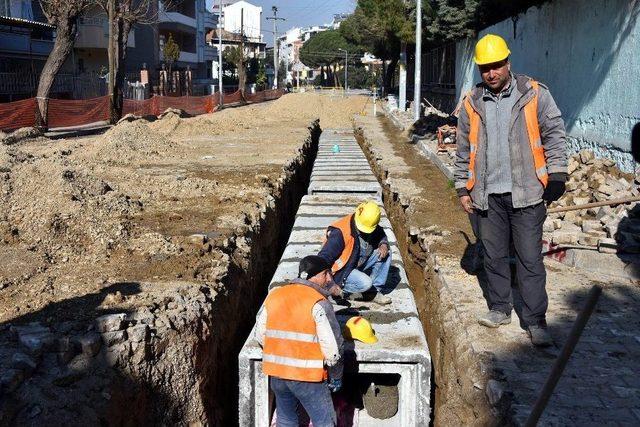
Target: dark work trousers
x,y
500,224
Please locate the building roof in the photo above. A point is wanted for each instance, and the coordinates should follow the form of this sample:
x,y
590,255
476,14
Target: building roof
x,y
20,22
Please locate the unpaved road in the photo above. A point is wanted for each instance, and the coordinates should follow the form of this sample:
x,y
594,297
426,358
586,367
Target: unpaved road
x,y
79,214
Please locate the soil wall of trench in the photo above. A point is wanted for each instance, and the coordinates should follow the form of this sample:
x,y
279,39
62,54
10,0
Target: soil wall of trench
x,y
174,362
458,376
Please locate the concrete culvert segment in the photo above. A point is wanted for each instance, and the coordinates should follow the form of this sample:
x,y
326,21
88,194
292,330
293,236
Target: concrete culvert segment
x,y
399,362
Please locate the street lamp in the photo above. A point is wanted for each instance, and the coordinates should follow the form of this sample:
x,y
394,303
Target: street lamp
x,y
346,69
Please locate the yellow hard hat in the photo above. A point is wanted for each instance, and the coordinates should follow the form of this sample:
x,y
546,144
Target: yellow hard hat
x,y
359,328
367,216
490,49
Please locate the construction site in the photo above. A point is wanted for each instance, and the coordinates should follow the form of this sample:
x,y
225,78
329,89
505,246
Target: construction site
x,y
154,255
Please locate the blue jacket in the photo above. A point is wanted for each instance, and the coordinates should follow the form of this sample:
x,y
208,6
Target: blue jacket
x,y
334,246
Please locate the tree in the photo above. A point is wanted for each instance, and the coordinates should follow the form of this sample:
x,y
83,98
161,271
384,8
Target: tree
x,y
323,50
237,56
122,15
63,14
379,27
170,52
261,77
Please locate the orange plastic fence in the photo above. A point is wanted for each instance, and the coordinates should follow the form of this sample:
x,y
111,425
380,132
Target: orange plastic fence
x,y
18,114
232,98
69,113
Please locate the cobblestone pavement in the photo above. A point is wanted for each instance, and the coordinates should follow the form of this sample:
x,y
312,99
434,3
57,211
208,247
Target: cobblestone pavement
x,y
600,385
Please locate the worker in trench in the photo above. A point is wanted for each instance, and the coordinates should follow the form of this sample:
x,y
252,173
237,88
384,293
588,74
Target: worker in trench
x,y
510,163
303,345
358,250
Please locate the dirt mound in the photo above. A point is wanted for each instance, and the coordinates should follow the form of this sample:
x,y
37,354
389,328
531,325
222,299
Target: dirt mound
x,y
128,141
332,111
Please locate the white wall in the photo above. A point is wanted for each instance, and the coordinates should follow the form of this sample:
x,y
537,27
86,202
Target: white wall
x,y
252,15
588,54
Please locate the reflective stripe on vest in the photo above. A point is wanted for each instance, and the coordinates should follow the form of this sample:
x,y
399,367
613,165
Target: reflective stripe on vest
x,y
474,128
533,133
291,347
344,225
533,130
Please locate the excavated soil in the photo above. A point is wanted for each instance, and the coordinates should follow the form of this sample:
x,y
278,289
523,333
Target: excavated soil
x,y
78,214
167,230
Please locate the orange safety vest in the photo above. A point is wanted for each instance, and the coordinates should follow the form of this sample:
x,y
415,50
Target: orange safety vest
x,y
533,132
291,348
344,225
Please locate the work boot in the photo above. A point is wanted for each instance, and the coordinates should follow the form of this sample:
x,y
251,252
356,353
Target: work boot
x,y
494,318
381,299
540,336
356,296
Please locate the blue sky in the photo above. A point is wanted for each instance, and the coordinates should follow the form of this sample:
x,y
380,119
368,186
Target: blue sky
x,y
299,13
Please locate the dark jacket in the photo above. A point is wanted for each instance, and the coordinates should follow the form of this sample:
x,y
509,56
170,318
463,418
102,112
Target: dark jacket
x,y
334,246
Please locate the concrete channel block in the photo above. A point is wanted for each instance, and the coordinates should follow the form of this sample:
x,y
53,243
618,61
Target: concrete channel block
x,y
338,185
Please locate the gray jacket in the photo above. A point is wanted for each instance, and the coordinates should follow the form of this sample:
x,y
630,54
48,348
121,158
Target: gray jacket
x,y
526,188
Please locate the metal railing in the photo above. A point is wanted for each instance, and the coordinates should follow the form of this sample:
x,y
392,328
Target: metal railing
x,y
82,86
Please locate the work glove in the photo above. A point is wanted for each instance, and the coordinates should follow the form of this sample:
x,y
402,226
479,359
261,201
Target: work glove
x,y
334,385
555,187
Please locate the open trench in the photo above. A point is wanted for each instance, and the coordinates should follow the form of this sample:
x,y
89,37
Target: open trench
x,y
178,362
246,286
172,362
455,400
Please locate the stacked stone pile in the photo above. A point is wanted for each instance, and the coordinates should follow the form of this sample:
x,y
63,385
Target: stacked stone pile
x,y
610,228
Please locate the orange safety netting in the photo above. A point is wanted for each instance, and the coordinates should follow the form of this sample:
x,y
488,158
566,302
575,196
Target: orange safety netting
x,y
18,114
145,107
232,98
69,113
193,105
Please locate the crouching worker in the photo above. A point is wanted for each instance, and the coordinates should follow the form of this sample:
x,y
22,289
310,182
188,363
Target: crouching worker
x,y
302,345
358,250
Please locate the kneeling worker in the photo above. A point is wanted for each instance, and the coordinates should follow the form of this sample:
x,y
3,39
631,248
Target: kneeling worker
x,y
302,344
358,249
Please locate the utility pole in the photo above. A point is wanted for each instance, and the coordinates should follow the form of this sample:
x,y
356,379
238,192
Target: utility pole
x,y
275,20
417,92
220,53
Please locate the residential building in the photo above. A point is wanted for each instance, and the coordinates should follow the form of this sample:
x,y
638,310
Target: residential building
x,y
290,44
241,24
188,22
26,39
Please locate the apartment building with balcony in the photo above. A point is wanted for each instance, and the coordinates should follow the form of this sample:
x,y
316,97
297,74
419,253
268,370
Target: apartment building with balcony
x,y
188,22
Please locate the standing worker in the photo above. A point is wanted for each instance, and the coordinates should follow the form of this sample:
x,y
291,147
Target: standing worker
x,y
510,160
302,345
358,250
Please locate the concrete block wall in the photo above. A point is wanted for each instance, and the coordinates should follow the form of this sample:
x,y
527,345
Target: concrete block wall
x,y
588,54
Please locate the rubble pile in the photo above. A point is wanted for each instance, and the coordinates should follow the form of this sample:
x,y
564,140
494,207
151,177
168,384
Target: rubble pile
x,y
610,228
430,122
